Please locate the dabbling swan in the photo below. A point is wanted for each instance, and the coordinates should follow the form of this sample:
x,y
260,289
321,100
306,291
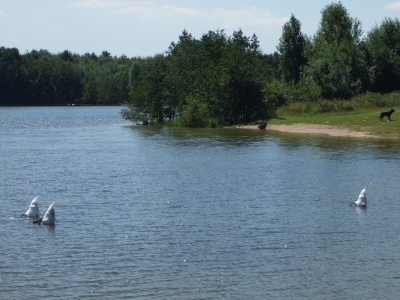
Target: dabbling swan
x,y
33,210
49,217
362,199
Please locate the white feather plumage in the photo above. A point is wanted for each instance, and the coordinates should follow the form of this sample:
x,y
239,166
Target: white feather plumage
x,y
50,216
33,210
362,199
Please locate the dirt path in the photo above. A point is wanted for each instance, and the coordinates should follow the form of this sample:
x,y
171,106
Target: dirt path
x,y
315,129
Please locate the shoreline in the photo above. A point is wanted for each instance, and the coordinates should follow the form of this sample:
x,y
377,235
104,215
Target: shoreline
x,y
336,131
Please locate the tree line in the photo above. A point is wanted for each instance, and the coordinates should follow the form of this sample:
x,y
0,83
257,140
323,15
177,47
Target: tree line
x,y
217,79
221,80
42,78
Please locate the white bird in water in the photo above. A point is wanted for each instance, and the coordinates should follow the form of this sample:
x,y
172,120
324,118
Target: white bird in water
x,y
49,217
362,199
33,210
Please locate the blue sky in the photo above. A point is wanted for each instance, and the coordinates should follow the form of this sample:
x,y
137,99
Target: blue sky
x,y
147,27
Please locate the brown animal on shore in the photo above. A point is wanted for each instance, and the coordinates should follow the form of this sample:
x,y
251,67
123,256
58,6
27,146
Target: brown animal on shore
x,y
262,125
386,114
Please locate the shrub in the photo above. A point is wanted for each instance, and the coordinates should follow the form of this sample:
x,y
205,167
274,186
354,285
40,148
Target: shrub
x,y
194,113
276,93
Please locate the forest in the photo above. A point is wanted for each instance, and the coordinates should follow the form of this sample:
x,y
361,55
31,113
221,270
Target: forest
x,y
215,80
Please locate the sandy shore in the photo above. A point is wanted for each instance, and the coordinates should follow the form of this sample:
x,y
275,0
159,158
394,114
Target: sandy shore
x,y
315,129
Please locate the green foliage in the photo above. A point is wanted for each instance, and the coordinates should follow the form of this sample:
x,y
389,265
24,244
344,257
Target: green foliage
x,y
12,76
277,93
311,108
223,74
219,79
337,26
291,48
271,66
336,61
355,105
149,94
382,49
134,73
135,114
307,90
242,81
42,78
339,69
372,100
326,107
194,113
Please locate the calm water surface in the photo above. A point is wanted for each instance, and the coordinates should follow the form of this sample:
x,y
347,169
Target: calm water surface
x,y
172,213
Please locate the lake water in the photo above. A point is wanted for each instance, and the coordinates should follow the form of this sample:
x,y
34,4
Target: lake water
x,y
174,213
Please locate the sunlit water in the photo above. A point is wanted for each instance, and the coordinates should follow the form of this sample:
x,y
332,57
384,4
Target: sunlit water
x,y
172,213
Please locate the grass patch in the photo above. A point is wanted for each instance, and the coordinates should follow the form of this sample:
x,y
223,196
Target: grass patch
x,y
360,114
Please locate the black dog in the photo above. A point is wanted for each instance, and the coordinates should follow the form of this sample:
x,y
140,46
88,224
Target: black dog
x,y
386,114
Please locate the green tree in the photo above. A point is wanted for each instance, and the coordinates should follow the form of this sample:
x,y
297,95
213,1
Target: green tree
x,y
194,113
221,76
67,80
184,55
42,78
339,69
40,73
13,80
242,79
382,47
337,26
148,97
336,61
271,64
134,73
209,84
89,88
291,48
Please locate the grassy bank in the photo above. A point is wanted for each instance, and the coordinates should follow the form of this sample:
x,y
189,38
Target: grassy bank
x,y
359,114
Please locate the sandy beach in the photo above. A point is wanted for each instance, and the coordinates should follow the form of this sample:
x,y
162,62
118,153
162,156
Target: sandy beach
x,y
315,129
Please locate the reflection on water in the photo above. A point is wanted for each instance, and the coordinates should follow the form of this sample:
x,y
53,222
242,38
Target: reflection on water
x,y
160,212
361,210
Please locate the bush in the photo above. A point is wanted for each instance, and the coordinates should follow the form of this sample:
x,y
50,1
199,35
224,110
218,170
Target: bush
x,y
214,123
307,90
279,93
326,107
194,113
134,114
344,106
276,93
364,101
369,100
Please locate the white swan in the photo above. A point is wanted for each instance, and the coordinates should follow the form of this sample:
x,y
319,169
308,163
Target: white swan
x,y
362,199
33,210
49,217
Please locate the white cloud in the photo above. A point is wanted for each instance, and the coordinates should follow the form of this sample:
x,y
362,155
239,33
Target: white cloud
x,y
98,4
14,41
230,19
2,14
144,10
164,12
248,17
197,21
393,6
